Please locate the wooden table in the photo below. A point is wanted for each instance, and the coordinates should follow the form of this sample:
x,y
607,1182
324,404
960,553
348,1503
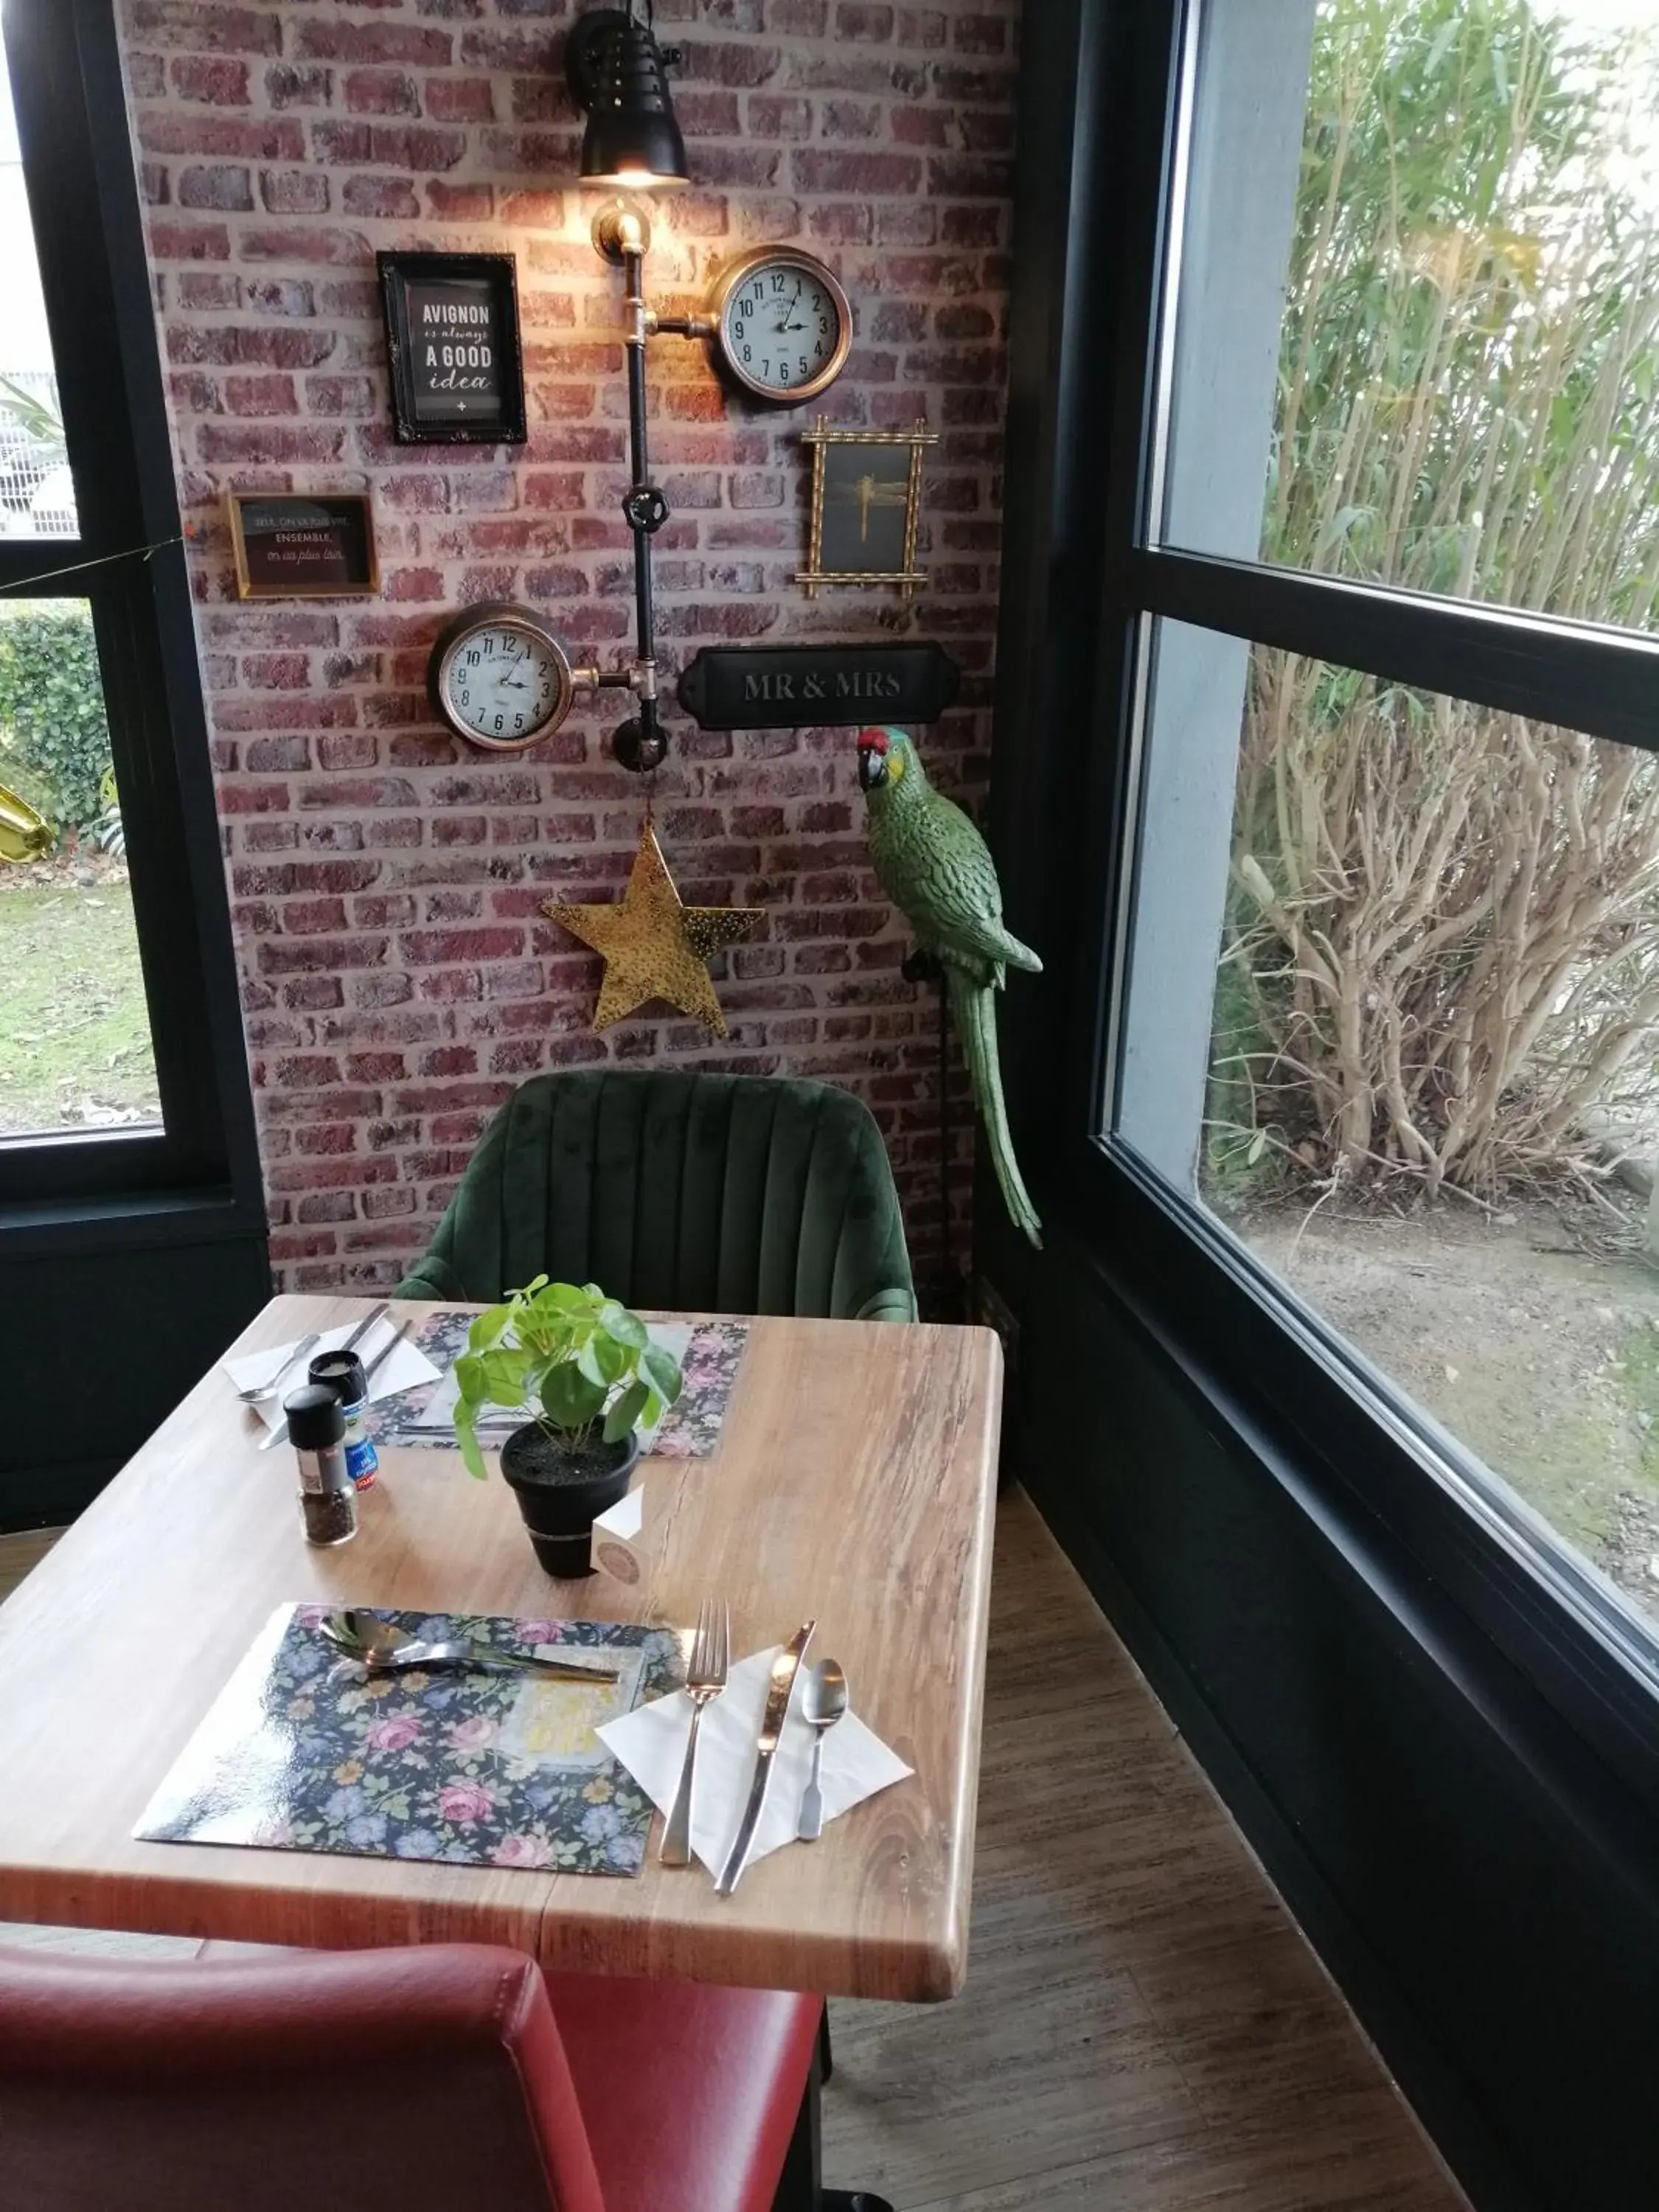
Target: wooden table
x,y
854,1479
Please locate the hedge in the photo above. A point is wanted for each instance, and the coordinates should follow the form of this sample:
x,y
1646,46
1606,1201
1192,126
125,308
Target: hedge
x,y
52,705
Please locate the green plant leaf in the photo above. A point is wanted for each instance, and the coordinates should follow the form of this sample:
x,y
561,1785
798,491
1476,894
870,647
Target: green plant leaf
x,y
664,1371
569,1399
508,1373
488,1328
624,1412
604,1362
466,1436
625,1328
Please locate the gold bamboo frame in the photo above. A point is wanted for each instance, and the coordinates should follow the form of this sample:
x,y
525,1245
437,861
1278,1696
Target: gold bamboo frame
x,y
820,437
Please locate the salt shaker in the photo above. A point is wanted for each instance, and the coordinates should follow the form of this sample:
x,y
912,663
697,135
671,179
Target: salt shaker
x,y
342,1372
328,1496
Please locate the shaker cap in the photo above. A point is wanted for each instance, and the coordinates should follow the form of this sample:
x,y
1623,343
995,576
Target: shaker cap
x,y
342,1372
316,1417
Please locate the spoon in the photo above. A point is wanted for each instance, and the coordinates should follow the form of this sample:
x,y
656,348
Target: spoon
x,y
257,1393
822,1702
384,1648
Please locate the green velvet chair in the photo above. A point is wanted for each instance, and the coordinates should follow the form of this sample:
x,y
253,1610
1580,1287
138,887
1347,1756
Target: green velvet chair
x,y
724,1194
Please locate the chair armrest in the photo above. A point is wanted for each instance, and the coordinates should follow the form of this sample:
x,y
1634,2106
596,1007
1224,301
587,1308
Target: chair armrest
x,y
433,1278
888,1305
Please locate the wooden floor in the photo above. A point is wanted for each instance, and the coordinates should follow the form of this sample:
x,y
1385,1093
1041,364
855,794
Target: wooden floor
x,y
1143,2030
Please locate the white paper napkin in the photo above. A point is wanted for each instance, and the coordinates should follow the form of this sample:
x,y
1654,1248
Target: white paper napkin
x,y
650,1742
407,1366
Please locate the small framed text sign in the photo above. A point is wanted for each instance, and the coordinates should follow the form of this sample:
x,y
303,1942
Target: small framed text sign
x,y
451,336
303,545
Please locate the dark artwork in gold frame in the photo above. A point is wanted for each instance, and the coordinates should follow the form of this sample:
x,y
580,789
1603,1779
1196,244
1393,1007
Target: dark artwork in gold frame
x,y
303,545
867,501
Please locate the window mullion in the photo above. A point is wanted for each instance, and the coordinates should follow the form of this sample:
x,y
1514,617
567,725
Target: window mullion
x,y
1603,682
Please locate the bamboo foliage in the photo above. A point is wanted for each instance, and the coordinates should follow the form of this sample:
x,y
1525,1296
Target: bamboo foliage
x,y
1443,942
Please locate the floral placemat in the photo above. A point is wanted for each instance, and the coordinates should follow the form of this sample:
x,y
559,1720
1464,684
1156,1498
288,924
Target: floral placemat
x,y
709,1353
304,1750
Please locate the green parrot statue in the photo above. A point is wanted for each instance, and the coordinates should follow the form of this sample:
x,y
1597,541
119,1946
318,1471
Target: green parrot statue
x,y
937,869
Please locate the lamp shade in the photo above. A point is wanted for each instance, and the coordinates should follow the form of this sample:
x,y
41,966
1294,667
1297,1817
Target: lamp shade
x,y
617,74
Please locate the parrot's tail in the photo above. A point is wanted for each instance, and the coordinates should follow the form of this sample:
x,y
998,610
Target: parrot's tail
x,y
974,1005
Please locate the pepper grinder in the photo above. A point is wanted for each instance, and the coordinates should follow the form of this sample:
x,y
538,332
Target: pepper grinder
x,y
328,1496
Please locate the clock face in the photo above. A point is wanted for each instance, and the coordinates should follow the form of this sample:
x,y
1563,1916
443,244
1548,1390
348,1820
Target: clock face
x,y
785,325
500,677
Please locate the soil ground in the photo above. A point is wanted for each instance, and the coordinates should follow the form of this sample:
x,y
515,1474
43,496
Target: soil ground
x,y
1537,1350
75,1048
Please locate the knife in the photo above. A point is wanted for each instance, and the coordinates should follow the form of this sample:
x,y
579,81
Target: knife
x,y
376,1315
785,1668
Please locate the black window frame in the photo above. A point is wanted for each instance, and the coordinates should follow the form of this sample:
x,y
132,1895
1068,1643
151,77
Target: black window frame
x,y
1369,1467
129,562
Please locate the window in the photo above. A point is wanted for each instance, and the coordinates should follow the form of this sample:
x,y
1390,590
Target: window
x,y
1389,1008
119,1046
75,1050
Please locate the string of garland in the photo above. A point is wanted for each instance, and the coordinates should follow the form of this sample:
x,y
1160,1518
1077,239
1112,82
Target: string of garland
x,y
98,560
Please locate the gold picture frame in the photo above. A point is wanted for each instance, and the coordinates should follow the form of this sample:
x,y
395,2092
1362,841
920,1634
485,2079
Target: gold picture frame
x,y
303,545
866,498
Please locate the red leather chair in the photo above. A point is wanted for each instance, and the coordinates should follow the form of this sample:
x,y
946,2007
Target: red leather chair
x,y
430,2077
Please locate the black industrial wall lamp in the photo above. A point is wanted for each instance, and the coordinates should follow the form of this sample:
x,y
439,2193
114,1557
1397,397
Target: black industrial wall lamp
x,y
619,77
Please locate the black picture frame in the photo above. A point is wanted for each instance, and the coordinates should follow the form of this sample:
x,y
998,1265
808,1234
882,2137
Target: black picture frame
x,y
462,310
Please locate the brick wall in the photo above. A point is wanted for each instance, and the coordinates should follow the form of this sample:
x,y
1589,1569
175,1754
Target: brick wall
x,y
396,978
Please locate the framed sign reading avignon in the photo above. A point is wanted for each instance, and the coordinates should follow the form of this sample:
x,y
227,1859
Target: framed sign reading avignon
x,y
451,336
303,545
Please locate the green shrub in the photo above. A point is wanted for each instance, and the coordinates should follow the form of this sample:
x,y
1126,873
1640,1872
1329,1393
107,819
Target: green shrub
x,y
52,705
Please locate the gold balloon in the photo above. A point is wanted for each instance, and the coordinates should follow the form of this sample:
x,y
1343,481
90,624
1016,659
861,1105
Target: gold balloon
x,y
24,834
654,946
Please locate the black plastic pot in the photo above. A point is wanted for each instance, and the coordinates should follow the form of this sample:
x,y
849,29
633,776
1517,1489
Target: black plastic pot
x,y
562,1493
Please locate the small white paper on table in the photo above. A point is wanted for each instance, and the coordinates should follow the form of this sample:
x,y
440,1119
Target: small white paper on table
x,y
626,1517
650,1742
407,1367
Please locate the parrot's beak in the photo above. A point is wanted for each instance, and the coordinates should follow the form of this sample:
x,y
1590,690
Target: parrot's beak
x,y
872,769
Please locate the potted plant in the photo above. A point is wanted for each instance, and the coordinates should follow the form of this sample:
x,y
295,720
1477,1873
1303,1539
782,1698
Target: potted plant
x,y
587,1372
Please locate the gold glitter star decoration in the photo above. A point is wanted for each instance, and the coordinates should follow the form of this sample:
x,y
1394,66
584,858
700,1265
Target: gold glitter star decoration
x,y
654,947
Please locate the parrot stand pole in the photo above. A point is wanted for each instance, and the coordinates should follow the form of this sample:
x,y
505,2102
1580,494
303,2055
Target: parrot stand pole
x,y
923,968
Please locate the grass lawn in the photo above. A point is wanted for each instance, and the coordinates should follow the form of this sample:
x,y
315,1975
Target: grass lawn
x,y
75,1049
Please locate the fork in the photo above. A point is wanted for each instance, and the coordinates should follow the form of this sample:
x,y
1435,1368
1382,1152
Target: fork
x,y
711,1651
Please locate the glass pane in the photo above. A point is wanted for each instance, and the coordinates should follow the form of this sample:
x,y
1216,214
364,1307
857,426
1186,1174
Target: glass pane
x,y
1418,334
75,1039
1393,1016
37,495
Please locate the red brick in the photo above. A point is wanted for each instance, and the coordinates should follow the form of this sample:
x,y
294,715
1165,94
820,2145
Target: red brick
x,y
379,195
460,99
189,241
272,243
218,83
288,87
316,39
294,192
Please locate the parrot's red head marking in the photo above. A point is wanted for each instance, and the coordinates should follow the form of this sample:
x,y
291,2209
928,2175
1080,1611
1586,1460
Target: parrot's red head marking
x,y
877,763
